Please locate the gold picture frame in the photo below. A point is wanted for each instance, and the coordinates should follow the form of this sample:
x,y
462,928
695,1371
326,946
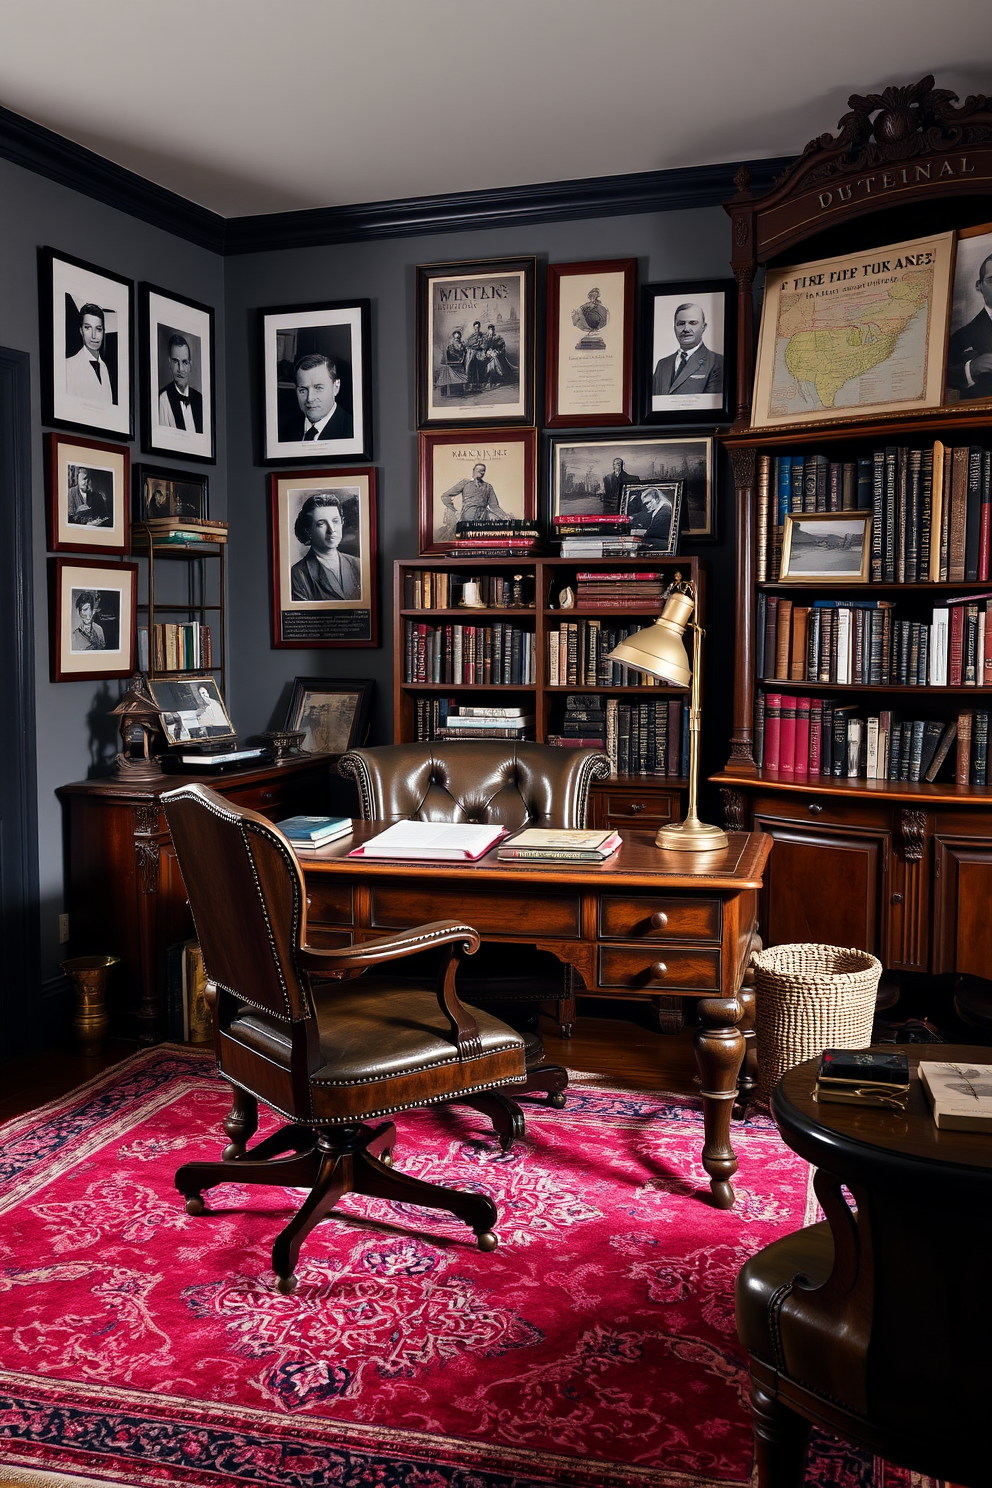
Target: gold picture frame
x,y
826,548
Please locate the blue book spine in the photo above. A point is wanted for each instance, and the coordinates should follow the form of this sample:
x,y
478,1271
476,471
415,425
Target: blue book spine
x,y
783,489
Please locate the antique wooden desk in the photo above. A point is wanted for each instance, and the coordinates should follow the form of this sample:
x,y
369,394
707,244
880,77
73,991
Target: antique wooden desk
x,y
643,924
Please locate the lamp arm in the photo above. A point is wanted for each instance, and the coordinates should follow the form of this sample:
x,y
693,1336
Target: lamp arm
x,y
695,715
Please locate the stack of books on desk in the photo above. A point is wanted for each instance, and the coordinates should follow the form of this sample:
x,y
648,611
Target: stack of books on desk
x,y
548,845
487,723
314,831
863,1077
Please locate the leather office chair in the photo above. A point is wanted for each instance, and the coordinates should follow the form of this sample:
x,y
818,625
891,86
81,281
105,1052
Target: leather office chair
x,y
330,1056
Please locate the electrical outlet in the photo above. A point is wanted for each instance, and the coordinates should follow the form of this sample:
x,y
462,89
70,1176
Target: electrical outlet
x,y
63,929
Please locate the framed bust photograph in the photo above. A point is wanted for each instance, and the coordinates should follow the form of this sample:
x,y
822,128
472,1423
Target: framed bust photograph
x,y
88,495
475,475
177,375
87,329
475,342
688,351
590,349
324,559
969,345
94,608
317,381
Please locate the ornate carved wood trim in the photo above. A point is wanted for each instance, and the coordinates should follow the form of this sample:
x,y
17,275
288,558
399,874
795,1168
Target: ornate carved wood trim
x,y
735,812
913,825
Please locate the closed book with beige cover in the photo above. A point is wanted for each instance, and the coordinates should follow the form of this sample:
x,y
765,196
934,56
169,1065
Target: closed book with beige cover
x,y
960,1095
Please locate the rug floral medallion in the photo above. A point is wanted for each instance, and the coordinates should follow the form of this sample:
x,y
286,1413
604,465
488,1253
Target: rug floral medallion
x,y
594,1348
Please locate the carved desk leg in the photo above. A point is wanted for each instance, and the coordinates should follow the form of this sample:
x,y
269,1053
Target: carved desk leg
x,y
749,1069
719,1046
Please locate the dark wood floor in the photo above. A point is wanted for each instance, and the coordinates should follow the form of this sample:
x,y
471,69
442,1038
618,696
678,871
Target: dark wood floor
x,y
620,1049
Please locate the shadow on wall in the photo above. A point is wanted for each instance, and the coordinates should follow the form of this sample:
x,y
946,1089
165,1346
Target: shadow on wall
x,y
104,739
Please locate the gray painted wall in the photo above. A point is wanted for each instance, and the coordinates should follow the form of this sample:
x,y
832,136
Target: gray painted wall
x,y
73,733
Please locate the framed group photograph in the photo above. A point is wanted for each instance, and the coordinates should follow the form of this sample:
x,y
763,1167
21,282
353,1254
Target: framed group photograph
x,y
688,340
855,336
333,712
590,350
324,558
168,493
191,709
87,329
475,342
475,475
94,608
597,477
317,381
177,374
825,547
969,345
88,495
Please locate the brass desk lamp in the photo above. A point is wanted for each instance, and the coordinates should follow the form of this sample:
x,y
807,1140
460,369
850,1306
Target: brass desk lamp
x,y
660,651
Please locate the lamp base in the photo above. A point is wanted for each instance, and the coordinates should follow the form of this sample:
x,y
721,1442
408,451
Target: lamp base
x,y
692,835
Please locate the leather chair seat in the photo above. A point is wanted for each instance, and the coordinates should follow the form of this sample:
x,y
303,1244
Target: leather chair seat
x,y
766,1280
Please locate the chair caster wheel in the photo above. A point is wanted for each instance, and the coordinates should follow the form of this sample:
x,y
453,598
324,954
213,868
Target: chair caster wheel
x,y
195,1204
286,1285
487,1240
386,1158
557,1101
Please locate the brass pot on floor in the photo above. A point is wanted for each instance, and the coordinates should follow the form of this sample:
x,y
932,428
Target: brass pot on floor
x,y
89,975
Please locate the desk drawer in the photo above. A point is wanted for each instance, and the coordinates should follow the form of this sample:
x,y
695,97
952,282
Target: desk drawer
x,y
275,799
512,914
330,903
661,918
686,969
635,807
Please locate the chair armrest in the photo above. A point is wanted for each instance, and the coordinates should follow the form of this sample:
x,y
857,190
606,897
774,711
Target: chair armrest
x,y
392,947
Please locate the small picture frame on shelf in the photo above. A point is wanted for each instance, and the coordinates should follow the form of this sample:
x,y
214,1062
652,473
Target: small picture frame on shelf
x,y
590,355
177,375
331,712
168,493
826,548
191,709
88,495
317,381
588,477
94,609
475,475
475,343
324,558
687,333
87,330
969,344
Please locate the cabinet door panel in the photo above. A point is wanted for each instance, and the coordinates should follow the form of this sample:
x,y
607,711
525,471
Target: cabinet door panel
x,y
823,885
963,900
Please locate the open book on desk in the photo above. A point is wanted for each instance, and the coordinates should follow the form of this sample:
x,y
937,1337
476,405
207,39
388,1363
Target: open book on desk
x,y
431,842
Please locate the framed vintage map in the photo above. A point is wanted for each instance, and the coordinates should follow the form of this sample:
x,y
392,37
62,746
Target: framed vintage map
x,y
855,336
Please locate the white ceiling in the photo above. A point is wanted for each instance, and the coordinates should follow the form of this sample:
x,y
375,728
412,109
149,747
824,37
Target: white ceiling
x,y
264,106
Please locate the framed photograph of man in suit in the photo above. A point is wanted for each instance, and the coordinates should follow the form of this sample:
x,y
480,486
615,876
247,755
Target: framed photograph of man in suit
x,y
317,382
324,559
688,355
87,329
969,346
177,375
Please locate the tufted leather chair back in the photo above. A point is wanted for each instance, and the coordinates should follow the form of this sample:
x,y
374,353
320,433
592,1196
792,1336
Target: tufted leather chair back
x,y
492,781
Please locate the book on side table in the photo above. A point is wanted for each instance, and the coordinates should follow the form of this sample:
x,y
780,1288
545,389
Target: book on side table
x,y
863,1077
960,1095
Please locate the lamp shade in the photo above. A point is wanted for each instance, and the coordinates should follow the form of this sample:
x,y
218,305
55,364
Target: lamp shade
x,y
659,648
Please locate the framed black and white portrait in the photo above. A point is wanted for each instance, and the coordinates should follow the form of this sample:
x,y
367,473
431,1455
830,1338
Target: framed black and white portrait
x,y
87,328
687,336
969,346
332,712
191,709
94,606
324,561
594,478
317,381
475,475
169,493
87,495
177,375
475,343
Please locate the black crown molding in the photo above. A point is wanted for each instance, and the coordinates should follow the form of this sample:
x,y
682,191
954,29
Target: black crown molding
x,y
48,154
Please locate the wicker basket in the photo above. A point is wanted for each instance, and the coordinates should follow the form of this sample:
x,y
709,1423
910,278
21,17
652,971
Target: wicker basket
x,y
810,998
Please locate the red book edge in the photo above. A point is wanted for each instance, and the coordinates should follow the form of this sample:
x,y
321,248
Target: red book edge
x,y
803,717
773,729
787,749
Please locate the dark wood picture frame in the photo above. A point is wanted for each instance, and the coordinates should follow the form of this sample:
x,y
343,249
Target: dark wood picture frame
x,y
87,529
472,447
473,289
340,330
176,502
66,281
306,688
590,345
72,575
660,347
699,507
301,618
195,322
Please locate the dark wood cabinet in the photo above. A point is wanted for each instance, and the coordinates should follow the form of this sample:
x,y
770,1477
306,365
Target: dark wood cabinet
x,y
125,893
806,854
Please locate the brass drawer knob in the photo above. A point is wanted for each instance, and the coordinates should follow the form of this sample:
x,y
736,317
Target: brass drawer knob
x,y
309,901
659,920
659,971
896,898
815,808
635,807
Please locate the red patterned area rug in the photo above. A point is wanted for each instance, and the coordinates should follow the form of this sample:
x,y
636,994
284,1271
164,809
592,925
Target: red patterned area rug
x,y
594,1349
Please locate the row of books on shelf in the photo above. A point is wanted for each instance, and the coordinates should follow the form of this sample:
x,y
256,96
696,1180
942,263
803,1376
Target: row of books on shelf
x,y
579,652
802,738
473,655
175,647
436,589
931,509
861,642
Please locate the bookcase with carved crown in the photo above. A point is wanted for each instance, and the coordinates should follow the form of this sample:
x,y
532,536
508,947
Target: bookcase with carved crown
x,y
898,866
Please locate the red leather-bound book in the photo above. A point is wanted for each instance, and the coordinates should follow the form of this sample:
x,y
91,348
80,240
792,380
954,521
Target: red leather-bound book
x,y
803,708
815,731
773,730
787,746
955,649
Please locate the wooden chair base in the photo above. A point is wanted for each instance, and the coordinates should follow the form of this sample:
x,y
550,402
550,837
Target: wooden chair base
x,y
330,1162
503,1111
